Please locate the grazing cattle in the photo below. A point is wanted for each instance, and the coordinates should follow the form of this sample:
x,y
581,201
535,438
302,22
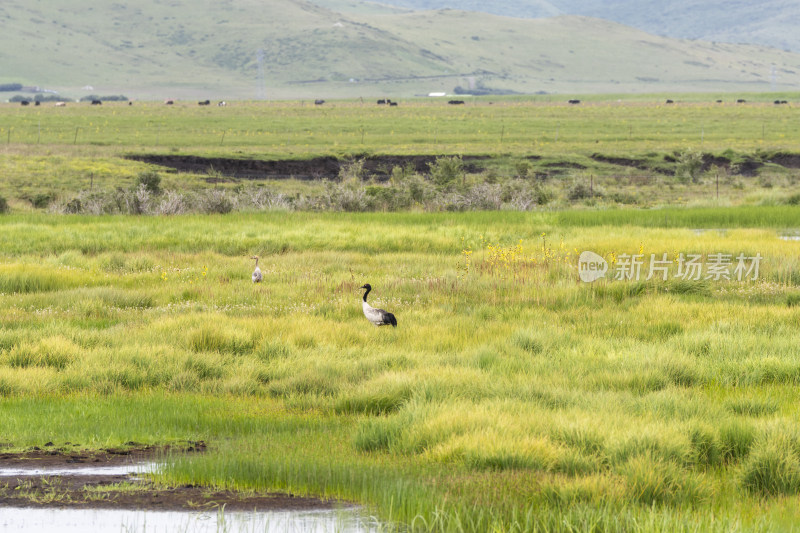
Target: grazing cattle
x,y
319,102
573,102
97,102
456,102
381,101
61,104
37,102
223,103
204,102
670,102
719,101
741,101
24,102
130,103
169,102
392,103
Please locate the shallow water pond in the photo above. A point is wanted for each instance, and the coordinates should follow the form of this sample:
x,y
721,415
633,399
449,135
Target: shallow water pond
x,y
79,469
18,518
139,521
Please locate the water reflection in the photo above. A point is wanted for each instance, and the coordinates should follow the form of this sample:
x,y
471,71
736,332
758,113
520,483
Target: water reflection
x,y
100,520
79,469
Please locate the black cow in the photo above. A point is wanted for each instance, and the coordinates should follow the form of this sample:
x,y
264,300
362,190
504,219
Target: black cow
x,y
670,102
719,101
204,102
381,101
24,102
573,102
456,102
741,101
37,102
319,102
97,102
169,102
392,103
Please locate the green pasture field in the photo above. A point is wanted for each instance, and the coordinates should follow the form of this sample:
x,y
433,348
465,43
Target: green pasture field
x,y
63,150
511,396
544,124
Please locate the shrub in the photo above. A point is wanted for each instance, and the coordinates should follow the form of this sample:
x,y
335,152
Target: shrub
x,y
42,200
523,169
352,171
73,206
345,196
215,201
402,174
446,171
794,199
3,205
688,166
151,181
580,191
172,203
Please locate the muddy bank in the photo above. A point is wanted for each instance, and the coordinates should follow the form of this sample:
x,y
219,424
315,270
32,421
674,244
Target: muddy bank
x,y
71,455
24,482
377,167
128,492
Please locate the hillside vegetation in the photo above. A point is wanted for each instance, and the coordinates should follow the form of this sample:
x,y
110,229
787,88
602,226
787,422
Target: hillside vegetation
x,y
770,23
210,50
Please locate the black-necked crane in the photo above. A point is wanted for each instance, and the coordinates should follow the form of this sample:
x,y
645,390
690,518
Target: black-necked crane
x,y
378,317
257,272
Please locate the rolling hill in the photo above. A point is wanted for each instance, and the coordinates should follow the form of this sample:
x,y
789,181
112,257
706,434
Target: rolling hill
x,y
770,23
204,49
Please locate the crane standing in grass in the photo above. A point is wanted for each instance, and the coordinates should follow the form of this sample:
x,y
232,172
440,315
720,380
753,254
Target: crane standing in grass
x,y
378,317
257,272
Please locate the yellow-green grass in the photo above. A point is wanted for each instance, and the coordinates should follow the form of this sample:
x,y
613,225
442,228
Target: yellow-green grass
x,y
510,396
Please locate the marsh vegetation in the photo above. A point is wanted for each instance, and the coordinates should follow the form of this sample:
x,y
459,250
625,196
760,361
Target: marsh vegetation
x,y
511,396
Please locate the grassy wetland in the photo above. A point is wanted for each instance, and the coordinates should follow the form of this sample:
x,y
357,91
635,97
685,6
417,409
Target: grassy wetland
x,y
511,396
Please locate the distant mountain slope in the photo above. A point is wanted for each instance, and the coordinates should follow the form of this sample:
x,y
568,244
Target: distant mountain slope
x,y
210,49
771,23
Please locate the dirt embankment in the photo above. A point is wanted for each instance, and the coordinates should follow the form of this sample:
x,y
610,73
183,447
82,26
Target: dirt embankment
x,y
71,488
220,168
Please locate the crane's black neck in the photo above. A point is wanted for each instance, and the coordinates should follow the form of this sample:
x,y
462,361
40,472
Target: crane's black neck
x,y
367,292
